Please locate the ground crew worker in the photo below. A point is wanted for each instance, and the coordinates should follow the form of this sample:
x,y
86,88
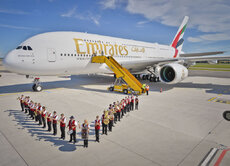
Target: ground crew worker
x,y
44,116
85,132
97,128
143,88
147,90
49,121
62,126
105,122
21,99
72,127
136,103
55,118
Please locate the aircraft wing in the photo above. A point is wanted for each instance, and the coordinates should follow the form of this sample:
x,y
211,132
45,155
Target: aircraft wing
x,y
140,65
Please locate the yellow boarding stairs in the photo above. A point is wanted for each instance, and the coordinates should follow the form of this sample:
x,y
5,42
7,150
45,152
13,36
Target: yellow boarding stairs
x,y
122,74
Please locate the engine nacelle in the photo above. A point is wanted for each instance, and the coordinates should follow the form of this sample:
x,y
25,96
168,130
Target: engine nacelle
x,y
173,73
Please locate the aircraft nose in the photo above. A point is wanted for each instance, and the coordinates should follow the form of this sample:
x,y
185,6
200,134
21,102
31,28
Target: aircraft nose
x,y
9,60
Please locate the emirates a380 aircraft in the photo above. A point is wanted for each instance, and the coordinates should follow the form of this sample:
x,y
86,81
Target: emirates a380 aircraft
x,y
70,53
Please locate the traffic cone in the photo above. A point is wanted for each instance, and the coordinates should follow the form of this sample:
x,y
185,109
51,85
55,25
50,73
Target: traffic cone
x,y
161,90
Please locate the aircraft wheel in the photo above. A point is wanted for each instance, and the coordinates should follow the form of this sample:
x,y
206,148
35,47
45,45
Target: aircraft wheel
x,y
152,79
33,87
125,91
144,77
38,88
226,115
111,88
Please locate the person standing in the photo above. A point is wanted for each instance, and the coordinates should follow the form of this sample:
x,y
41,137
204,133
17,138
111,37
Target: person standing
x,y
21,99
85,132
44,116
132,102
72,127
97,128
62,126
136,103
39,112
55,118
111,118
105,122
147,89
49,121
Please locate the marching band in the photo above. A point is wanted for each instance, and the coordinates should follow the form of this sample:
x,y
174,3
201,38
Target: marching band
x,y
114,113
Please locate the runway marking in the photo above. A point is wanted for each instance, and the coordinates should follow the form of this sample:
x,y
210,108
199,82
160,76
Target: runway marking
x,y
209,157
221,157
212,98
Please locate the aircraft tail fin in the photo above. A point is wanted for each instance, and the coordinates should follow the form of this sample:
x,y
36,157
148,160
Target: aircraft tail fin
x,y
178,40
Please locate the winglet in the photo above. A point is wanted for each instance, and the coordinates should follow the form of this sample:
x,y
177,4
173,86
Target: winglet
x,y
178,40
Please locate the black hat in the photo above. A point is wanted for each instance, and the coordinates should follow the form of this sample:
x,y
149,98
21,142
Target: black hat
x,y
72,117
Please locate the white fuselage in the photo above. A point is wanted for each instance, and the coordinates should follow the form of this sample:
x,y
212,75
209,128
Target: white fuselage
x,y
69,53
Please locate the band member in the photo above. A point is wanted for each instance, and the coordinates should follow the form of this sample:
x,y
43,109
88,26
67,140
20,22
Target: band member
x,y
62,126
85,132
35,111
39,112
124,106
97,128
55,118
111,117
136,103
21,99
147,89
26,103
72,126
132,103
32,108
114,112
44,116
105,122
49,120
118,110
127,104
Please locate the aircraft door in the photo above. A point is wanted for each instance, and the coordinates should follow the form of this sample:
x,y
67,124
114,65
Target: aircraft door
x,y
51,55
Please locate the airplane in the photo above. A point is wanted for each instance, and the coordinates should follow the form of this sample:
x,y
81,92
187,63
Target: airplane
x,y
70,53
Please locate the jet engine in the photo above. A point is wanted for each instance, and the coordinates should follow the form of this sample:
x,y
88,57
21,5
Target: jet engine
x,y
173,73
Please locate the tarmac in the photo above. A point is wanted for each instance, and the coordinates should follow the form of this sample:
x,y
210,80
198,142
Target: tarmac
x,y
182,125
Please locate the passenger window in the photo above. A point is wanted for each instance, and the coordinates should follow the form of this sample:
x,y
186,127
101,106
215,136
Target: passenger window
x,y
24,48
29,48
19,47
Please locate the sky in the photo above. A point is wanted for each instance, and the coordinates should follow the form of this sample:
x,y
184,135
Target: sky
x,y
145,20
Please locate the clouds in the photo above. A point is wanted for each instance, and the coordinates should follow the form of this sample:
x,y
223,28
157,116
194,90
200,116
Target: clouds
x,y
10,11
88,16
17,27
207,16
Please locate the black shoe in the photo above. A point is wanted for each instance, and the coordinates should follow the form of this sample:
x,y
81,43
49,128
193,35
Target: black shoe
x,y
60,138
63,138
70,140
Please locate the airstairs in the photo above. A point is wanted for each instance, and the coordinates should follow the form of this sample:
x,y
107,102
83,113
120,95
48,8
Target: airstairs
x,y
121,73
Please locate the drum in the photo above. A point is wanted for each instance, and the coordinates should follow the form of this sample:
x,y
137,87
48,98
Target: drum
x,y
70,132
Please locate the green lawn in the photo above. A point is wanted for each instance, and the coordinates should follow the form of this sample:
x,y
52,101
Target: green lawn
x,y
206,65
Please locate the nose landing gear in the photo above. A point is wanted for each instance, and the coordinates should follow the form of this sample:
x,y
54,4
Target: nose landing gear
x,y
37,85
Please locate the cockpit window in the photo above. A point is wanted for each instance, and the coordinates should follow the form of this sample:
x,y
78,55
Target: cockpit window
x,y
19,47
29,48
24,48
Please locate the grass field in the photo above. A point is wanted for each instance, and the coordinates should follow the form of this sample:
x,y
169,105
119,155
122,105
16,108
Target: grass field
x,y
211,67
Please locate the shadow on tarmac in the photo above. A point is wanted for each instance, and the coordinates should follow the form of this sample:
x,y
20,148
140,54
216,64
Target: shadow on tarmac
x,y
25,122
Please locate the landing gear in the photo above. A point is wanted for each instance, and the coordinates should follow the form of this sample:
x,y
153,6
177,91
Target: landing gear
x,y
37,85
